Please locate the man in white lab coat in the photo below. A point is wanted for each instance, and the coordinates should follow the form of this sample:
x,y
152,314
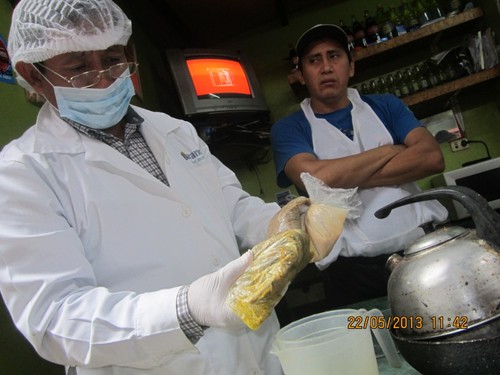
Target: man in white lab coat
x,y
119,231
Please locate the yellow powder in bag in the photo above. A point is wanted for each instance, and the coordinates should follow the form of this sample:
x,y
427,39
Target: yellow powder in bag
x,y
276,262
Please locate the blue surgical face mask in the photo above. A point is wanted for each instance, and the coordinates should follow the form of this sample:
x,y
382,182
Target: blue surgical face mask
x,y
95,108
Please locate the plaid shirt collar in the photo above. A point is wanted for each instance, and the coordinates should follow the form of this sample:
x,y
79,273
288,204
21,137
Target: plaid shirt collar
x,y
132,123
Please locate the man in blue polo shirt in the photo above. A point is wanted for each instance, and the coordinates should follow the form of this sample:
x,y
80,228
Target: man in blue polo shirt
x,y
373,142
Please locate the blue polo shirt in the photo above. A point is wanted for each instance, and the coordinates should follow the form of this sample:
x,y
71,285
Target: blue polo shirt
x,y
292,134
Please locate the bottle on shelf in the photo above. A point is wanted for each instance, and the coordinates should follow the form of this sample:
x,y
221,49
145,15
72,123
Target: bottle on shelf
x,y
392,86
434,9
364,88
398,27
412,81
441,74
409,18
421,78
371,29
421,12
348,32
402,84
382,85
432,74
385,25
454,6
358,33
372,87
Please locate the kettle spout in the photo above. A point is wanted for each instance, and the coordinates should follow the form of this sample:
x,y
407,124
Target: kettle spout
x,y
392,262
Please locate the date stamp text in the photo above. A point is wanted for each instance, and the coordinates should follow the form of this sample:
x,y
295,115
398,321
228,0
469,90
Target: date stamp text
x,y
405,322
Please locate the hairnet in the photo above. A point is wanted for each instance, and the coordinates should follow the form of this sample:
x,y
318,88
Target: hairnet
x,y
42,29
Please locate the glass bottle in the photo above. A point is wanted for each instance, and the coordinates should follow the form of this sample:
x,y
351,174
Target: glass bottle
x,y
385,26
419,75
347,30
431,71
372,85
398,27
455,6
364,88
434,9
382,85
371,29
358,33
403,85
421,12
441,74
409,18
392,86
412,81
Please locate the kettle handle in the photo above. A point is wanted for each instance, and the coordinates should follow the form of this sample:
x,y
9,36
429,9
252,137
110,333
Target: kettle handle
x,y
486,220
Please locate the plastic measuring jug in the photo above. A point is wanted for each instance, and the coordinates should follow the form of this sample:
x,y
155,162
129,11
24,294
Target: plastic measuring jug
x,y
334,342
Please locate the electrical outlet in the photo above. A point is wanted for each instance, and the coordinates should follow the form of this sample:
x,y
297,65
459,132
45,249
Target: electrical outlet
x,y
459,144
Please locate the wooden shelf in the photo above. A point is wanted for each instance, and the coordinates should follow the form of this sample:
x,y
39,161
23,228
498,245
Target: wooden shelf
x,y
400,50
450,87
421,33
436,99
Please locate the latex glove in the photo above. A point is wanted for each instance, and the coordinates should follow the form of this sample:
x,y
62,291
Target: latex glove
x,y
207,295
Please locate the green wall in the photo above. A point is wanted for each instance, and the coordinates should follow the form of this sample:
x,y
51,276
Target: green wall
x,y
267,48
17,113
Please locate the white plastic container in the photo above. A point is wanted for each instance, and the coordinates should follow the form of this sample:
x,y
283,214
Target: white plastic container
x,y
333,342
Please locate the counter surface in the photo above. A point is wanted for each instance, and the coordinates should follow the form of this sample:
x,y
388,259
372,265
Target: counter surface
x,y
385,369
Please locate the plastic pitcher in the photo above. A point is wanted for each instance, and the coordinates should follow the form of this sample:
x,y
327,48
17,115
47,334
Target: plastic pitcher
x,y
334,342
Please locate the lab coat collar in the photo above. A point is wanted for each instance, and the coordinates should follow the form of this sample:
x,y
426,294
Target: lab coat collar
x,y
155,128
54,135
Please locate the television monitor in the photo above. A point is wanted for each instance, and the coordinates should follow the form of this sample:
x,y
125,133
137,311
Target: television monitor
x,y
215,84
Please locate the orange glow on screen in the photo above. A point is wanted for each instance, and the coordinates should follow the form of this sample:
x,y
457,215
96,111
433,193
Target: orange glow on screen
x,y
218,76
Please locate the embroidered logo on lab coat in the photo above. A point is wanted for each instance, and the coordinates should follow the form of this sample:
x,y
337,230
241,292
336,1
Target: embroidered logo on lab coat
x,y
194,156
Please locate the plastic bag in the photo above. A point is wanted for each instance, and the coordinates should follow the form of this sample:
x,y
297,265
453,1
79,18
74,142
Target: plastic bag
x,y
329,208
291,216
276,262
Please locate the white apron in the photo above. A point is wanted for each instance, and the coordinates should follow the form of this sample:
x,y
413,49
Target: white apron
x,y
368,235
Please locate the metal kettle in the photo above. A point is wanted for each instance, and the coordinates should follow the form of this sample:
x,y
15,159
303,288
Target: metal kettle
x,y
448,280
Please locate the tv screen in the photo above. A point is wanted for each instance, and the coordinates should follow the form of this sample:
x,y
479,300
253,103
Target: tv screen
x,y
213,78
215,85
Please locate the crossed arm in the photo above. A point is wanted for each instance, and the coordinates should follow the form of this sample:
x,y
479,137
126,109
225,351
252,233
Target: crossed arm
x,y
419,157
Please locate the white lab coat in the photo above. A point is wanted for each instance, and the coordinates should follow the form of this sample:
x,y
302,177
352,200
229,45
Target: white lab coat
x,y
93,249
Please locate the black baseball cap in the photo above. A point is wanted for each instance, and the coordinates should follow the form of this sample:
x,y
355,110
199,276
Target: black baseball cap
x,y
321,31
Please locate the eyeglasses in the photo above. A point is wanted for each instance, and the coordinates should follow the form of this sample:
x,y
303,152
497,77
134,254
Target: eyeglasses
x,y
92,77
